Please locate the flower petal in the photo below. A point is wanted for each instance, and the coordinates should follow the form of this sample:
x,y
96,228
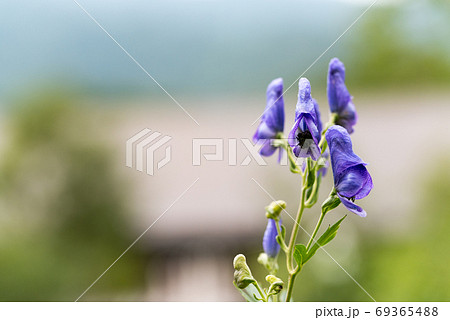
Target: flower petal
x,y
318,121
267,149
272,120
264,132
312,147
307,119
270,244
292,137
352,207
338,95
341,151
339,98
305,103
367,187
348,117
353,181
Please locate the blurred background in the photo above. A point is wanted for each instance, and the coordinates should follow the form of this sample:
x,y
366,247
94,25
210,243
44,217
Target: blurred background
x,y
70,98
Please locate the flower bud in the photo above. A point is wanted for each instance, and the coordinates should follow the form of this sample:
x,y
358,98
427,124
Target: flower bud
x,y
276,284
267,262
242,274
270,244
274,209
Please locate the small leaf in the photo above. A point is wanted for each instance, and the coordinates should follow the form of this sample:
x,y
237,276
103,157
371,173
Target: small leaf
x,y
300,254
279,240
330,233
325,238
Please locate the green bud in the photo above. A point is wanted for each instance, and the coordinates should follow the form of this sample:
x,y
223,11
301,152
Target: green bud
x,y
267,262
274,209
332,202
242,274
276,284
278,143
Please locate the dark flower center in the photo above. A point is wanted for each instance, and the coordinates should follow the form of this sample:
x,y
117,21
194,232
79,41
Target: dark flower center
x,y
352,199
302,137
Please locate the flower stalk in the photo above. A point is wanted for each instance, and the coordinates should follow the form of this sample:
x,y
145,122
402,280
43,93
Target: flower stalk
x,y
319,147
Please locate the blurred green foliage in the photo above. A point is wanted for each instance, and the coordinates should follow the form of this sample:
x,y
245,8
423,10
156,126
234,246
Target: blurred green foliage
x,y
63,216
393,47
416,267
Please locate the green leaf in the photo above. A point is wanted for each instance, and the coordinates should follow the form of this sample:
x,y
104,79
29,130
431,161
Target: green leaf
x,y
249,293
300,255
325,238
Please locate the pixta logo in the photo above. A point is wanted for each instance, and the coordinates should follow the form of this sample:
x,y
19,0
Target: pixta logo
x,y
146,143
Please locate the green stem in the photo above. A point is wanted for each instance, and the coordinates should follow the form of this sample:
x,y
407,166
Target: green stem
x,y
311,240
283,243
263,296
289,256
290,286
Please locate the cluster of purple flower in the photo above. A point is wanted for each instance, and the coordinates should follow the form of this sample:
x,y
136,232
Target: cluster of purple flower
x,y
314,144
308,139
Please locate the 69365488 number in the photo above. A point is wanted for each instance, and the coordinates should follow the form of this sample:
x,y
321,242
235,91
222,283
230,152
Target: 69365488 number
x,y
407,311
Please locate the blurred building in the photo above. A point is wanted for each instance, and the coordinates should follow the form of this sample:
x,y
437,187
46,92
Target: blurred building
x,y
192,245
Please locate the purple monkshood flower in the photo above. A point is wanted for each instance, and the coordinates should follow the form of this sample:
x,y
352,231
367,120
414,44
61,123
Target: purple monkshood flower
x,y
339,98
305,135
272,120
270,244
351,178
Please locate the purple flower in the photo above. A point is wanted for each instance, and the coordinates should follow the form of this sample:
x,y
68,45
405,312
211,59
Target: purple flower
x,y
272,120
270,244
305,135
351,178
339,98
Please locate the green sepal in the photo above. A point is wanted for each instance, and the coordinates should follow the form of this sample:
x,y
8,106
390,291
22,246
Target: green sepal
x,y
242,274
276,285
273,210
325,238
331,202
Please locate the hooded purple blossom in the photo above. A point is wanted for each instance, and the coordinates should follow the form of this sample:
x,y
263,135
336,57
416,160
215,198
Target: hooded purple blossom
x,y
339,98
270,244
351,178
272,120
305,135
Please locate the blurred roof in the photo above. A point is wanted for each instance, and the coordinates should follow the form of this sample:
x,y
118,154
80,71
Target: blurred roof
x,y
396,135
